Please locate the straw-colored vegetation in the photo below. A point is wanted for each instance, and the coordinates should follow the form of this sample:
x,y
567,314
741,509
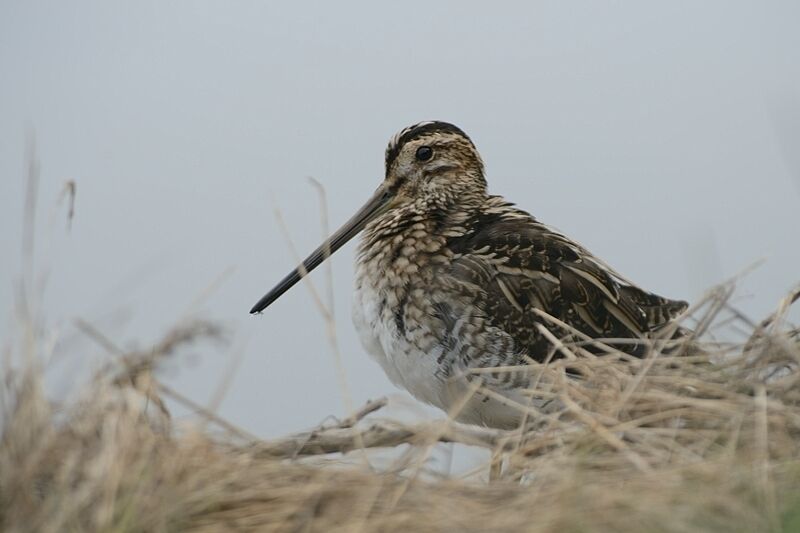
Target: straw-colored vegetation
x,y
692,442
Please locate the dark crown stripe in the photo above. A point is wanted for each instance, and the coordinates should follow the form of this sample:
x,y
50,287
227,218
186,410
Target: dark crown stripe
x,y
415,132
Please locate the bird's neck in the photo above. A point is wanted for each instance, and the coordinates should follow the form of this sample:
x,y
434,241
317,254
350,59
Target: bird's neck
x,y
432,215
416,231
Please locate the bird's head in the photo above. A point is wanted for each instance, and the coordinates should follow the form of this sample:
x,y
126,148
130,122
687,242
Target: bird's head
x,y
428,165
434,163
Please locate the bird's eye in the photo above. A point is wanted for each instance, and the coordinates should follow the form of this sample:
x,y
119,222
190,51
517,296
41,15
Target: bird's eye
x,y
424,153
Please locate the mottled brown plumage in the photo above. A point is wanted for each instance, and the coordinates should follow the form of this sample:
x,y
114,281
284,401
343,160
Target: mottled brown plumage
x,y
451,279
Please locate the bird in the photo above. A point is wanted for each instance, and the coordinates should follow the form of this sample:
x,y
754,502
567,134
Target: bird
x,y
452,283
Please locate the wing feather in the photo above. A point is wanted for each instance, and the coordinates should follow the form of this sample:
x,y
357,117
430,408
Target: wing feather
x,y
510,264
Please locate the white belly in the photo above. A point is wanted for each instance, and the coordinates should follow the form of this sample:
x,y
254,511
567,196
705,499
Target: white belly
x,y
404,364
418,371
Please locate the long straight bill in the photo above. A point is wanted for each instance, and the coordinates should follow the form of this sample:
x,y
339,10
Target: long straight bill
x,y
375,206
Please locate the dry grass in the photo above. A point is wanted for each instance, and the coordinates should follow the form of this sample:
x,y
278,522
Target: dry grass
x,y
704,442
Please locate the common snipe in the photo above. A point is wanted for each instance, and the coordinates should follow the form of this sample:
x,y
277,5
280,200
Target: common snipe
x,y
449,280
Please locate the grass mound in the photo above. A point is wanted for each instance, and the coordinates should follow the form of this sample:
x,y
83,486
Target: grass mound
x,y
706,440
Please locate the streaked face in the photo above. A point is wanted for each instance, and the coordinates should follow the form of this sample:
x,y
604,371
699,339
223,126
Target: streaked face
x,y
432,160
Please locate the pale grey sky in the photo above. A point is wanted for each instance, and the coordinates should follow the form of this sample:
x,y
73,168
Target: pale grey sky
x,y
662,135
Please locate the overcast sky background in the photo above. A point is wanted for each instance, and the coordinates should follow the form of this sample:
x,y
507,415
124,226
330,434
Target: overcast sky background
x,y
663,136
